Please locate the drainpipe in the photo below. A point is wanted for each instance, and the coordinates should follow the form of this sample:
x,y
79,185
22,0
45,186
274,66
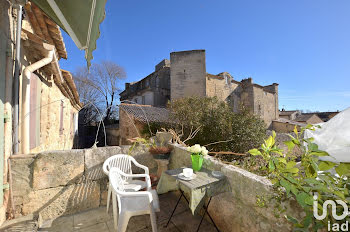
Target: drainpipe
x,y
16,79
26,98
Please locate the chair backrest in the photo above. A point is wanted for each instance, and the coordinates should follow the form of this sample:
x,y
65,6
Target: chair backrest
x,y
121,161
116,180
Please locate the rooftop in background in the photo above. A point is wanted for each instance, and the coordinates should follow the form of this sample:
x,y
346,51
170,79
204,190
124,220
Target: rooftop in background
x,y
146,113
283,120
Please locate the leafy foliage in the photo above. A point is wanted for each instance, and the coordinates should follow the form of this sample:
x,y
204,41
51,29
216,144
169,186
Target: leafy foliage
x,y
220,129
301,181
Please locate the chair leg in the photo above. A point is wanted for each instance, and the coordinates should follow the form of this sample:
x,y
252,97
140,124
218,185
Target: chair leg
x,y
108,196
123,222
153,220
115,211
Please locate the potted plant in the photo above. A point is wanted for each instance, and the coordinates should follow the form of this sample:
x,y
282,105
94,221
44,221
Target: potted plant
x,y
160,151
197,156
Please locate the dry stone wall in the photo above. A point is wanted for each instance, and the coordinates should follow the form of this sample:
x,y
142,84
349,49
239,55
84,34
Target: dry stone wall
x,y
55,183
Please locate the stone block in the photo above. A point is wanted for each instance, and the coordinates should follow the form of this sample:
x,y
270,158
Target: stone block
x,y
94,159
179,157
246,185
22,175
57,168
54,202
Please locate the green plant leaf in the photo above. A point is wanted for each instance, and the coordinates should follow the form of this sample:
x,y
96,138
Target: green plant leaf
x,y
319,153
269,142
271,165
313,147
342,169
254,152
339,194
290,164
326,165
292,170
282,160
302,198
295,130
289,144
286,185
291,219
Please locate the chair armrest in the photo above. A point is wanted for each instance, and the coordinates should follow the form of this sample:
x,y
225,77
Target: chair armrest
x,y
104,167
146,176
141,166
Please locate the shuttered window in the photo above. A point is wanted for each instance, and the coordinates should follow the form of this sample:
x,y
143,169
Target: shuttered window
x,y
61,117
34,113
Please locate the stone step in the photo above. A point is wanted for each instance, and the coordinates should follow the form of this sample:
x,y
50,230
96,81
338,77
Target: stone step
x,y
24,224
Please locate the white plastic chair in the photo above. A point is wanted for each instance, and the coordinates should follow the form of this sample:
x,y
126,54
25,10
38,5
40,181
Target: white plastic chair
x,y
131,203
123,162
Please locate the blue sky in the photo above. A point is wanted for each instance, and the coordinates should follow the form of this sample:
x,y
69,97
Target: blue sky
x,y
304,45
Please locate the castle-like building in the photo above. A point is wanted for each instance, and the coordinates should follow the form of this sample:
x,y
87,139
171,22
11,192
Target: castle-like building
x,y
185,75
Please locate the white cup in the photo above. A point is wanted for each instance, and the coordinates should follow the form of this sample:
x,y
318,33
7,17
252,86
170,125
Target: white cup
x,y
188,172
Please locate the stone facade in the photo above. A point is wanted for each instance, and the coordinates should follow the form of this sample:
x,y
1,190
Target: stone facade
x,y
152,90
187,74
49,127
188,77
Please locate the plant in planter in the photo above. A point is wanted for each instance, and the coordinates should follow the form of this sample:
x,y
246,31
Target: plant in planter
x,y
160,151
197,156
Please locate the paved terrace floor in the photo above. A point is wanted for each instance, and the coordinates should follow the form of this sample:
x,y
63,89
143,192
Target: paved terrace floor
x,y
97,220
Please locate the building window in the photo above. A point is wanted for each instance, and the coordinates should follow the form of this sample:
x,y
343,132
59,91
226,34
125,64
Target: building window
x,y
34,113
143,100
157,82
147,83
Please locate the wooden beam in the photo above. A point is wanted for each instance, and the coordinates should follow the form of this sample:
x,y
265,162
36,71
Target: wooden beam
x,y
32,19
42,23
226,153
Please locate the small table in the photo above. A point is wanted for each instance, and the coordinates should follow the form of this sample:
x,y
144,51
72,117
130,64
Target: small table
x,y
203,186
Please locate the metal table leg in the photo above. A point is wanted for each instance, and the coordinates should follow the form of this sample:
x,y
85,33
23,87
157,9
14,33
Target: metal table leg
x,y
206,212
178,201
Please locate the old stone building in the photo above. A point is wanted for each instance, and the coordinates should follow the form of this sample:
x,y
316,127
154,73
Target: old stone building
x,y
38,101
185,75
152,90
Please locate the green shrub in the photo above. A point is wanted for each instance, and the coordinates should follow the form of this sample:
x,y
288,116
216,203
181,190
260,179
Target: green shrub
x,y
218,124
301,182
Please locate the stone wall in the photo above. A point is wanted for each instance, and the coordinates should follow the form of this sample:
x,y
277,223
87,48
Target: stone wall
x,y
187,74
236,210
51,138
55,183
229,92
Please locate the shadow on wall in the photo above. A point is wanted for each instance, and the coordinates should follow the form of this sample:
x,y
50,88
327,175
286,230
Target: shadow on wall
x,y
57,183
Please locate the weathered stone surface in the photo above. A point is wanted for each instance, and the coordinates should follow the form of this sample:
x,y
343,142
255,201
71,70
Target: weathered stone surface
x,y
57,168
94,159
22,175
53,202
179,157
237,210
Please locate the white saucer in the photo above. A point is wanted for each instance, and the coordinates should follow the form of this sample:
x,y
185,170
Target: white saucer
x,y
182,177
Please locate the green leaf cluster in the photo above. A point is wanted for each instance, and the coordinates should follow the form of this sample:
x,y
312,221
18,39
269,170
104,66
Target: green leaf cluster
x,y
302,179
